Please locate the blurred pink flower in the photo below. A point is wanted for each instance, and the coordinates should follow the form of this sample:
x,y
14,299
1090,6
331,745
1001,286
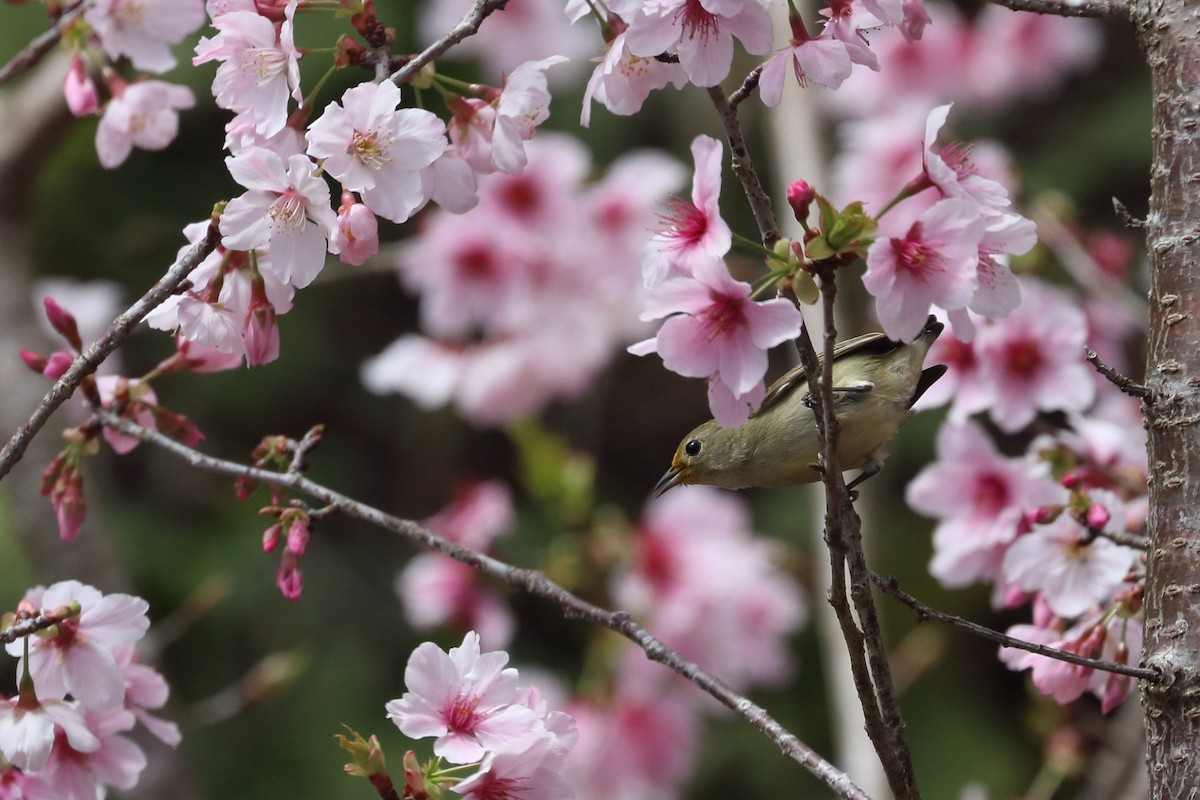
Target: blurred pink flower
x,y
79,89
622,81
27,735
144,31
72,772
144,114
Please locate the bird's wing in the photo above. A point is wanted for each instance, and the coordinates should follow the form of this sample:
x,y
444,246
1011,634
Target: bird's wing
x,y
796,375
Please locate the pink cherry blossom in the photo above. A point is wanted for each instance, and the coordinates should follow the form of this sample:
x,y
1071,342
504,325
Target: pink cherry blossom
x,y
694,230
144,114
717,331
933,263
528,774
146,689
523,105
74,773
1033,360
821,59
27,733
377,150
286,209
79,661
622,81
466,699
143,30
1072,571
980,498
953,173
700,33
259,66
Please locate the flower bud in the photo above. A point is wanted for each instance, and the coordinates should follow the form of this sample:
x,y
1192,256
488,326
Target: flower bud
x,y
57,365
800,196
1097,516
63,322
33,360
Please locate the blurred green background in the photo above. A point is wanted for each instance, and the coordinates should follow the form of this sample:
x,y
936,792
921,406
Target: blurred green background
x,y
182,532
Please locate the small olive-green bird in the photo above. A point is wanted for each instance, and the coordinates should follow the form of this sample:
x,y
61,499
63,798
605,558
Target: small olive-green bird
x,y
875,383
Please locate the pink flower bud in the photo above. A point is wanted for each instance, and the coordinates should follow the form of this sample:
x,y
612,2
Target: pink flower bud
x,y
288,579
62,321
271,537
32,360
260,335
800,196
1097,516
1070,481
357,235
68,503
298,536
80,91
57,365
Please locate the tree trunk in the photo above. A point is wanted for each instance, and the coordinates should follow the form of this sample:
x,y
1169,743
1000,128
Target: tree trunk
x,y
1169,32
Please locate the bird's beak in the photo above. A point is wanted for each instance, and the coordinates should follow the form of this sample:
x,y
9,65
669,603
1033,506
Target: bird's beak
x,y
672,478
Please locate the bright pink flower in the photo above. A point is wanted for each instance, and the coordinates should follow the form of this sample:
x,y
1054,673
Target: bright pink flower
x,y
694,230
79,661
80,90
1033,360
717,331
700,32
286,210
27,735
821,59
357,236
143,114
259,66
144,29
934,263
377,150
980,498
951,170
1072,572
466,699
846,21
622,81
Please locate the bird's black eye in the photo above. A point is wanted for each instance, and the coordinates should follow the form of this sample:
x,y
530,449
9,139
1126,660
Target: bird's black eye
x,y
692,448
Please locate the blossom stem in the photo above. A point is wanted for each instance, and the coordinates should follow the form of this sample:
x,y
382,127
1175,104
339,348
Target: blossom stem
x,y
753,246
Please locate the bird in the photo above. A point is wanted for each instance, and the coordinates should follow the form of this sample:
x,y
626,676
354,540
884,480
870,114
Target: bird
x,y
875,382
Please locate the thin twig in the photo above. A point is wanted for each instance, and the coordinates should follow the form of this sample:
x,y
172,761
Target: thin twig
x,y
91,358
924,612
531,581
32,625
1123,382
1114,9
33,53
743,168
466,27
747,87
1119,537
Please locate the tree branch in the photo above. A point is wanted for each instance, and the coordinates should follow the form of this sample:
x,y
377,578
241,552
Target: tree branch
x,y
531,581
466,27
1123,382
743,168
87,362
924,612
31,625
1112,9
32,54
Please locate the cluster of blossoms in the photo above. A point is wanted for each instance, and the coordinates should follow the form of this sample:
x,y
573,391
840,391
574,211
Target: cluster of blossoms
x,y
711,589
471,703
525,297
697,576
81,688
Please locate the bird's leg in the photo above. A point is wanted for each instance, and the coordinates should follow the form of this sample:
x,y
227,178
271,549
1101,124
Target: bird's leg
x,y
858,387
871,471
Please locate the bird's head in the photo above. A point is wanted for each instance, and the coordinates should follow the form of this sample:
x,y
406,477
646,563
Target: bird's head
x,y
706,455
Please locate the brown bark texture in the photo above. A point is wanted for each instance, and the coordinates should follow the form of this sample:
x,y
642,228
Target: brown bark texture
x,y
1169,33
